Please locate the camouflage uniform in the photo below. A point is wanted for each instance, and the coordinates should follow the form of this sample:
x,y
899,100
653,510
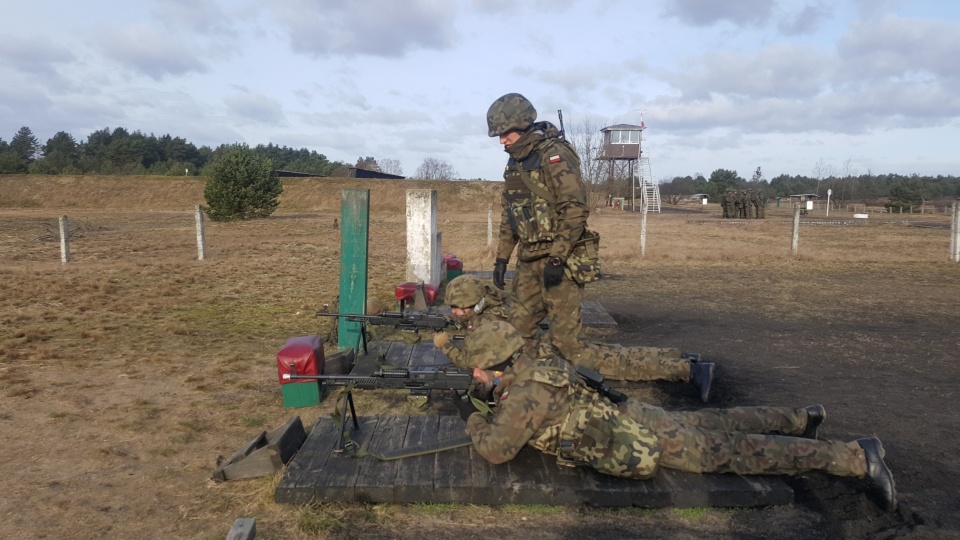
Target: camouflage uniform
x,y
725,203
761,205
544,404
545,220
610,360
751,204
737,204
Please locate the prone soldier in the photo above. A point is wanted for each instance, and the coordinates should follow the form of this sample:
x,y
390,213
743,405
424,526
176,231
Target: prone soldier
x,y
474,303
546,404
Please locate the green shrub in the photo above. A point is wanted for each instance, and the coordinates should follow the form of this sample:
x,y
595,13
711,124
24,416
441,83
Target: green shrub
x,y
241,185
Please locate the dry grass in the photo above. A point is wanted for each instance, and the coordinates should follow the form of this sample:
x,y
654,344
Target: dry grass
x,y
124,374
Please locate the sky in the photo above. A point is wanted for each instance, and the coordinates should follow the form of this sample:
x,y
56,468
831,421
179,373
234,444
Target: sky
x,y
791,86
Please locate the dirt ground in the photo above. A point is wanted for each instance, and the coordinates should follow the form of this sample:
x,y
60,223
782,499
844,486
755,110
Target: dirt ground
x,y
125,374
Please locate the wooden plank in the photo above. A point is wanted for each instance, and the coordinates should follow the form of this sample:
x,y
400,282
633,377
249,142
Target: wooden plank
x,y
243,529
376,479
454,475
340,470
398,355
424,354
414,479
306,467
354,238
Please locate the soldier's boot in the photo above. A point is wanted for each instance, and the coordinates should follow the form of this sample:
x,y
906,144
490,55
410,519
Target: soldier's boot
x,y
877,471
816,414
701,377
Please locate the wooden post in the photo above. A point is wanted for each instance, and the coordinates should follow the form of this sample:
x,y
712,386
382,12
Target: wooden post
x,y
795,243
489,224
64,240
643,231
423,248
955,233
201,245
354,242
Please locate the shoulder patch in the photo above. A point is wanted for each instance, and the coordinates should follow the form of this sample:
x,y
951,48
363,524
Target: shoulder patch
x,y
555,158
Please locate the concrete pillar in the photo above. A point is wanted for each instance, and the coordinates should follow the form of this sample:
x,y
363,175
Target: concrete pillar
x,y
424,257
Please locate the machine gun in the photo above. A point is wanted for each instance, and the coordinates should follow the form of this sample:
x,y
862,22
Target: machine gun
x,y
449,381
409,320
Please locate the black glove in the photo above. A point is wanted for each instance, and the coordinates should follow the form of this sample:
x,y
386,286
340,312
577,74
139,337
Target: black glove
x,y
499,271
464,406
553,272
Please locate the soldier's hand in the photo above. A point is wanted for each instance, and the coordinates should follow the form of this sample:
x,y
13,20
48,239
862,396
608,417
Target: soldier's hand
x,y
464,406
499,273
440,339
553,272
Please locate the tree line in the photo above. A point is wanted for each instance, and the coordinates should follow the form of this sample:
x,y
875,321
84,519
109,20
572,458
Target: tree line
x,y
119,151
891,190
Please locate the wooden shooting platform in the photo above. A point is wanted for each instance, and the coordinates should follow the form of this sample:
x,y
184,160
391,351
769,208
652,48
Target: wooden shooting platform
x,y
319,473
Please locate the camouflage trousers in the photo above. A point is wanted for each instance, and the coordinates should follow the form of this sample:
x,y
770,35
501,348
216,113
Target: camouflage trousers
x,y
744,440
619,363
560,304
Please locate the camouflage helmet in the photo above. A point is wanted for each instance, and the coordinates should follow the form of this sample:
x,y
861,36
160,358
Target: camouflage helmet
x,y
510,112
491,343
464,291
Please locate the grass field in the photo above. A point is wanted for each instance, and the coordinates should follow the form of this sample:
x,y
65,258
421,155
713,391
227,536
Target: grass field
x,y
126,373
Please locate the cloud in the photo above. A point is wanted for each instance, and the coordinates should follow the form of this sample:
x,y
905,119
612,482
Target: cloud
x,y
147,51
202,16
256,108
709,12
384,28
781,70
897,47
807,21
34,55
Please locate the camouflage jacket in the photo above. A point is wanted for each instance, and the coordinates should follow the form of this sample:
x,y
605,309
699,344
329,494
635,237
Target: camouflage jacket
x,y
547,220
494,310
544,403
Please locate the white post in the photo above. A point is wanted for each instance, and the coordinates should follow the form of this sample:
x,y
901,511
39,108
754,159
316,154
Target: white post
x,y
829,192
643,231
64,241
955,233
489,224
201,244
795,243
423,246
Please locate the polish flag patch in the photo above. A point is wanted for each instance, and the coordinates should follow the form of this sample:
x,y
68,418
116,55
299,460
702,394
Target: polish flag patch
x,y
554,159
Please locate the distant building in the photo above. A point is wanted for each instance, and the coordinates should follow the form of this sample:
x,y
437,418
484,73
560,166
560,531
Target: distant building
x,y
804,196
354,172
294,174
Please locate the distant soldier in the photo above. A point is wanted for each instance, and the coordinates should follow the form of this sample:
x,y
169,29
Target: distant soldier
x,y
737,204
546,404
752,206
744,203
761,205
725,203
474,303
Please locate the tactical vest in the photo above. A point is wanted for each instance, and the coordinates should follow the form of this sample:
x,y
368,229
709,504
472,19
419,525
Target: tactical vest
x,y
594,433
531,207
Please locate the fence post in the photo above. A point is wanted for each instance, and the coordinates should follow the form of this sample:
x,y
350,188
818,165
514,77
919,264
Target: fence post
x,y
955,233
489,224
201,244
795,243
643,231
64,241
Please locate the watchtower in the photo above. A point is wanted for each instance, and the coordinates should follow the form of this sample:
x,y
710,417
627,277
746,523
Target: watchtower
x,y
622,142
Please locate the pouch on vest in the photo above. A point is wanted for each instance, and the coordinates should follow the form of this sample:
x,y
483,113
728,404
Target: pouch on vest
x,y
583,263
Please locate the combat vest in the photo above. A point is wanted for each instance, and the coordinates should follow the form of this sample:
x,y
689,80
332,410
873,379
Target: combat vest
x,y
594,432
531,208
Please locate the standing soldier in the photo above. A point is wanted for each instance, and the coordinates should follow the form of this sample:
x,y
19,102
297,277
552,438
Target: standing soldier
x,y
545,218
737,204
545,403
744,203
474,304
761,204
725,203
752,204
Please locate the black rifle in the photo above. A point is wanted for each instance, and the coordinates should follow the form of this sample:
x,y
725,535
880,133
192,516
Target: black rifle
x,y
563,133
404,320
449,381
595,380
